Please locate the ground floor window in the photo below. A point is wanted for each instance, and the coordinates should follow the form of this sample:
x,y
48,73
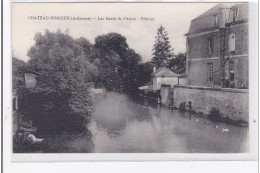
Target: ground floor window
x,y
231,66
232,73
210,72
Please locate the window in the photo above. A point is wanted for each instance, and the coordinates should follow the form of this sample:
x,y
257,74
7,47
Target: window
x,y
244,40
215,20
211,45
232,42
231,66
232,73
234,14
232,80
210,72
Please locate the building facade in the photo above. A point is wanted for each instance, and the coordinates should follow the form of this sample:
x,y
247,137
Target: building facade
x,y
217,47
164,76
217,64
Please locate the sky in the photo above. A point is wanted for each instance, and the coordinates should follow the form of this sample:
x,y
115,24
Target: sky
x,y
140,34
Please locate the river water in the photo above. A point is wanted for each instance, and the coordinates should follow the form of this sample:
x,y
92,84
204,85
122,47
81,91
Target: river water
x,y
121,125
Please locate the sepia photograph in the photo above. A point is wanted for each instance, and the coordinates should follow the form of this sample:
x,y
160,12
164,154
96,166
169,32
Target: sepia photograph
x,y
130,78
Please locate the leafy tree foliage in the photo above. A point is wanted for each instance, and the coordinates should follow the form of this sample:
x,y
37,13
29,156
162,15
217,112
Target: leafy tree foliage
x,y
144,73
178,63
62,98
65,69
18,67
119,62
162,51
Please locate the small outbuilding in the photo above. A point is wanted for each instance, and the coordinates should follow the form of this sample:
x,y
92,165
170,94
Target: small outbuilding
x,y
30,77
164,76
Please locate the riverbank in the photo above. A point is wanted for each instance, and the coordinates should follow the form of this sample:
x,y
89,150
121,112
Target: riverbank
x,y
210,111
123,124
64,142
224,104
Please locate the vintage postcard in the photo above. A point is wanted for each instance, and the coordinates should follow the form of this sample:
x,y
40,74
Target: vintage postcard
x,y
132,81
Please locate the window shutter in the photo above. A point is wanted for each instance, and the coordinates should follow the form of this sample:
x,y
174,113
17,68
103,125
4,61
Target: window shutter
x,y
231,45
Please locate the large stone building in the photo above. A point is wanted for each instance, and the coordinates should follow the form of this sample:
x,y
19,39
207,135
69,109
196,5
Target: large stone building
x,y
217,47
217,64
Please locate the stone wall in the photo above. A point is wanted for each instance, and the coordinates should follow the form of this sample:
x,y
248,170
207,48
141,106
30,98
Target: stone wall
x,y
166,95
158,81
241,40
198,56
199,72
231,103
198,45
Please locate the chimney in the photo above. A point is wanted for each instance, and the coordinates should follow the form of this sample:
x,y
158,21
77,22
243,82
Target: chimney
x,y
154,68
224,17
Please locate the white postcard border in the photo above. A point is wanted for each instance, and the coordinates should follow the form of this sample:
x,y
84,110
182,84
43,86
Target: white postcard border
x,y
253,92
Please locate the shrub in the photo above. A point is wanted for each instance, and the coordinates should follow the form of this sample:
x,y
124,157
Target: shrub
x,y
61,99
182,106
214,114
53,112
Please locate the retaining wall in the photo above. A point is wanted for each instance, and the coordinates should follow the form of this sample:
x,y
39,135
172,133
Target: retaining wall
x,y
231,103
166,95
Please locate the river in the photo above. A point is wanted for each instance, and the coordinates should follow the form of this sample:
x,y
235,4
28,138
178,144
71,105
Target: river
x,y
121,125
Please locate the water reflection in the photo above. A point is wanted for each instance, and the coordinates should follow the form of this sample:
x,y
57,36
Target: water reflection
x,y
67,142
122,125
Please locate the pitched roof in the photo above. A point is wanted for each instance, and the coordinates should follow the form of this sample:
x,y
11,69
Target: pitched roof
x,y
143,87
165,72
206,20
157,71
214,10
30,71
148,83
242,11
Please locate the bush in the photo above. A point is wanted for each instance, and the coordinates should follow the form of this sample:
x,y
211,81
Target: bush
x,y
154,94
62,99
182,106
215,114
51,113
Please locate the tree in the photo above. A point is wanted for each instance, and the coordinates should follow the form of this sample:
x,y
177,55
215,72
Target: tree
x,y
162,51
62,98
144,73
18,67
119,62
178,63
